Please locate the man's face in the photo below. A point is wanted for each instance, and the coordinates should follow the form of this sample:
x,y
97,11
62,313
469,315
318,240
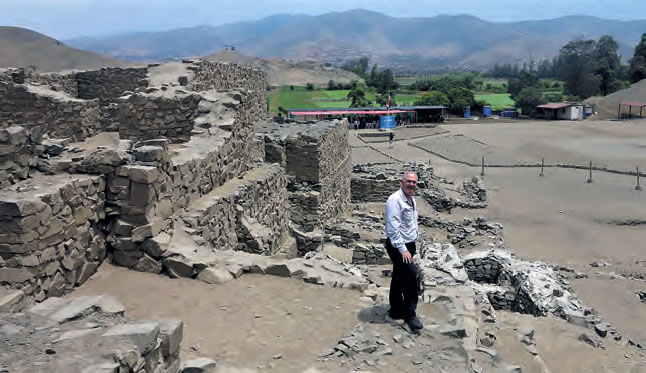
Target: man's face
x,y
409,184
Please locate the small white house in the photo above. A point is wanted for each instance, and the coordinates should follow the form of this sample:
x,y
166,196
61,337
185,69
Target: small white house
x,y
561,111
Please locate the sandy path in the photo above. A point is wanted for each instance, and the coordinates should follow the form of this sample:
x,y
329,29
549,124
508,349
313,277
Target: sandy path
x,y
275,316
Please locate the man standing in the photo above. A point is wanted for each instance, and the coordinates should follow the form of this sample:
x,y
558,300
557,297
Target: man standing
x,y
401,229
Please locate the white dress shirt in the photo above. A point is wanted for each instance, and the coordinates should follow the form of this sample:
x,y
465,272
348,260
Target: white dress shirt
x,y
401,220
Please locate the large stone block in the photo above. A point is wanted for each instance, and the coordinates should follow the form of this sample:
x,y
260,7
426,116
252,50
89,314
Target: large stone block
x,y
142,336
172,333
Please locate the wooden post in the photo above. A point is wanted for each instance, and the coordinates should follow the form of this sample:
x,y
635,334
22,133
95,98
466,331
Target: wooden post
x,y
482,173
590,179
542,167
619,112
638,186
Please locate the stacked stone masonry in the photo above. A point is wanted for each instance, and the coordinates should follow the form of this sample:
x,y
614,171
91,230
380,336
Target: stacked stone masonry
x,y
225,77
19,150
247,215
316,157
51,237
185,164
55,113
110,83
144,117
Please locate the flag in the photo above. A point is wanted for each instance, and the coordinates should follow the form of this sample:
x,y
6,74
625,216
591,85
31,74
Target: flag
x,y
389,102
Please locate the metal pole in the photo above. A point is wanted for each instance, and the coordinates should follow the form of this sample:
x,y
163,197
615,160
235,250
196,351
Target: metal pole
x,y
638,186
482,173
542,166
590,179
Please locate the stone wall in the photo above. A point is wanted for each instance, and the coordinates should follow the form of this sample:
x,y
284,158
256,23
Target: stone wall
x,y
56,113
65,83
110,83
319,161
19,150
486,269
144,116
248,215
50,238
365,189
226,77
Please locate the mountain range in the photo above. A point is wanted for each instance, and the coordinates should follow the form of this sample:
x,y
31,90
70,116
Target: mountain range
x,y
460,41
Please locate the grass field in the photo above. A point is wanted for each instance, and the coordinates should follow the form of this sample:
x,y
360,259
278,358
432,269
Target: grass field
x,y
497,101
301,98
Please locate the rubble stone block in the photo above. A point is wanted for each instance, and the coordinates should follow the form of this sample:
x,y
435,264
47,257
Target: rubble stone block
x,y
178,267
216,276
199,365
142,336
172,333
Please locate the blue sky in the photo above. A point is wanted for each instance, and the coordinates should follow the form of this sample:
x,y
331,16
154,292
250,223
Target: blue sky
x,y
71,18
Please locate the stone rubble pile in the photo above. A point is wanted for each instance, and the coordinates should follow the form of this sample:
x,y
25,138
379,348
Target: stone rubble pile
x,y
468,232
87,334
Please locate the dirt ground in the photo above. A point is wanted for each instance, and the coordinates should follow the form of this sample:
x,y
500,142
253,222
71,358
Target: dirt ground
x,y
256,322
283,325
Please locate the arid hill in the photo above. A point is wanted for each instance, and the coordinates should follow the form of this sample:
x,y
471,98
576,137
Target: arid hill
x,y
607,106
281,72
21,47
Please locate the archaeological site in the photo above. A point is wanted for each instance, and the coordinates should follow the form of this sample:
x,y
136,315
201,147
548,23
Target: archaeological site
x,y
156,219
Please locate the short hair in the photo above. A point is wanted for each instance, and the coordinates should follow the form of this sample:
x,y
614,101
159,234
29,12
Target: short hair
x,y
408,173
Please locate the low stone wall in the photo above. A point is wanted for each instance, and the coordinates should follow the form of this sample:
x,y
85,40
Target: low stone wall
x,y
57,114
50,240
248,215
226,77
110,83
65,83
144,116
486,269
371,190
19,150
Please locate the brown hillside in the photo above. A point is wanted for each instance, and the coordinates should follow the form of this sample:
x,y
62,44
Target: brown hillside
x,y
281,72
607,106
21,47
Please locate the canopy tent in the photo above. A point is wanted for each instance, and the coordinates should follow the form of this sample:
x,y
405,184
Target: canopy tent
x,y
342,112
630,105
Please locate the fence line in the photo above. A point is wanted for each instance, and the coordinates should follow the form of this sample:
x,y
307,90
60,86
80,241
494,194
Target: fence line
x,y
533,165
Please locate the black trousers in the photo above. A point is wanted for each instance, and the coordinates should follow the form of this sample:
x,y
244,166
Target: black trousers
x,y
403,285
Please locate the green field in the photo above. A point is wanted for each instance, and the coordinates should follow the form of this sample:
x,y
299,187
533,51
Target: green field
x,y
301,98
497,101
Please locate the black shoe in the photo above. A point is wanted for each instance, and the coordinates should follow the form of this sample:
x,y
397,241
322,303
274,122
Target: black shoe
x,y
414,323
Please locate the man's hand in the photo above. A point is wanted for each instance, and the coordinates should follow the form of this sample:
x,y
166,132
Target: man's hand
x,y
406,257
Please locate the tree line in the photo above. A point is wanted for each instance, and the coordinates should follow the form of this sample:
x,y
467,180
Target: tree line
x,y
586,67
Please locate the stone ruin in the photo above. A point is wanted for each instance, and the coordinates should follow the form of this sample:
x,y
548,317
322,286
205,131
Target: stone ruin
x,y
159,169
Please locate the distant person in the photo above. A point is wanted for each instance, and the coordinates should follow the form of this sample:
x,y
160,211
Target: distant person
x,y
401,230
391,137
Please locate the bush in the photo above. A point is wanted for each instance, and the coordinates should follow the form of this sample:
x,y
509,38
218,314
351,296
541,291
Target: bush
x,y
309,86
433,98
